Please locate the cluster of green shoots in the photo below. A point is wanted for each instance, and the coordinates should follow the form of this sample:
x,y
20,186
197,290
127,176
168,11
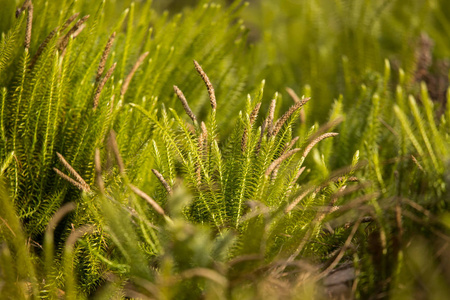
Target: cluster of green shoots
x,y
116,183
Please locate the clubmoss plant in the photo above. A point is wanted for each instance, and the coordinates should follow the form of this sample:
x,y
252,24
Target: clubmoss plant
x,y
118,184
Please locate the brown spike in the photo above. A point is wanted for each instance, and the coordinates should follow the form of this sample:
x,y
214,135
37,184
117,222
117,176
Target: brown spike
x,y
279,124
298,199
98,171
115,148
76,234
280,159
69,21
24,6
296,99
73,172
290,145
163,181
149,199
263,128
29,25
42,47
318,139
102,84
101,65
185,104
79,30
202,140
254,113
209,86
127,81
72,181
417,163
65,40
270,116
327,126
58,216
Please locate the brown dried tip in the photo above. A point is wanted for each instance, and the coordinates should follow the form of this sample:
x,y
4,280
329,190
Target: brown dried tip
x,y
29,25
318,139
149,199
298,199
185,104
191,128
296,99
101,65
280,159
111,103
417,163
42,46
65,40
263,128
204,130
297,175
72,181
202,139
287,114
293,181
69,21
115,149
163,181
291,143
293,94
269,120
79,30
252,118
209,86
59,215
98,171
349,179
254,113
72,171
24,6
102,84
327,126
77,234
127,81
274,174
201,148
244,140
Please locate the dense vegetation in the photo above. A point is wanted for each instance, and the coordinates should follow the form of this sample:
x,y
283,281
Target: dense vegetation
x,y
224,150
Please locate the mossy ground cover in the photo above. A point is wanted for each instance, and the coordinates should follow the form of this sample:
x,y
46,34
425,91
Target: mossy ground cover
x,y
224,150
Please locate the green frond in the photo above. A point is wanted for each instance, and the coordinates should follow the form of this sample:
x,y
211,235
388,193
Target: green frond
x,y
8,47
407,127
421,126
239,198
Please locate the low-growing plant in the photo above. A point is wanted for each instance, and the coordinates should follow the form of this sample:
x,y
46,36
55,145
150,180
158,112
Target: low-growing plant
x,y
109,190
